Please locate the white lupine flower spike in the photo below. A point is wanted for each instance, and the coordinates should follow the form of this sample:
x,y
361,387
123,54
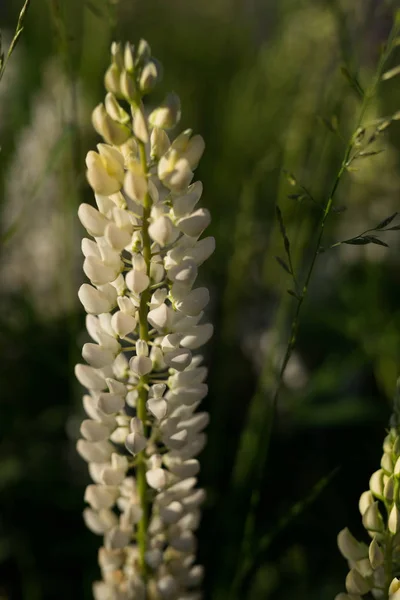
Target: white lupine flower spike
x,y
145,318
372,568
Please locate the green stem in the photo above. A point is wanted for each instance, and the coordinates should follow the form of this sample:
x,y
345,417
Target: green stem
x,y
17,34
266,437
142,398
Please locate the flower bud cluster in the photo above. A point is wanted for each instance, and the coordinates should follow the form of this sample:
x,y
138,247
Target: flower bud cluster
x,y
373,567
145,378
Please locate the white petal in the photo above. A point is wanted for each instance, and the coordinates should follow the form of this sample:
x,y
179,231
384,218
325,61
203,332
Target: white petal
x,y
96,452
110,403
158,407
92,220
123,323
99,522
94,301
197,336
135,443
97,356
101,496
90,377
194,302
116,237
140,365
137,281
94,431
194,224
156,478
178,359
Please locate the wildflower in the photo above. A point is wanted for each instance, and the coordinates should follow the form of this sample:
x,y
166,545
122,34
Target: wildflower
x,y
144,377
372,567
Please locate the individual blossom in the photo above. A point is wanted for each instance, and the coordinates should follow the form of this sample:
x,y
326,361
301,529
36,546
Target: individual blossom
x,y
373,566
144,373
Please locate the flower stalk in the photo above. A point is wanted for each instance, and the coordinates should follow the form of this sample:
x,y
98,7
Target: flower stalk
x,y
374,568
144,375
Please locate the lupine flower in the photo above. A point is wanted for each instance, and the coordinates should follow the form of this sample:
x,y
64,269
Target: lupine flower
x,y
373,566
145,317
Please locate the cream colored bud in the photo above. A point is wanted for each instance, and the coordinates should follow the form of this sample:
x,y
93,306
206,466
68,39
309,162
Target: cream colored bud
x,y
366,499
356,584
113,132
114,110
140,126
143,51
388,490
159,143
376,483
117,55
135,184
148,78
194,151
128,88
394,520
349,547
376,555
175,174
372,518
129,57
387,463
394,586
397,468
168,114
100,180
396,446
112,80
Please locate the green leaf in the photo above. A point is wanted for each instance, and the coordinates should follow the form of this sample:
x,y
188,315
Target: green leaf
x,y
358,241
290,177
369,153
292,293
386,221
377,241
328,124
298,197
391,73
339,209
283,264
94,9
280,221
353,81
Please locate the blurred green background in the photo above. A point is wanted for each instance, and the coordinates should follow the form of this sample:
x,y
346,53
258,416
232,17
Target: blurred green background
x,y
260,81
